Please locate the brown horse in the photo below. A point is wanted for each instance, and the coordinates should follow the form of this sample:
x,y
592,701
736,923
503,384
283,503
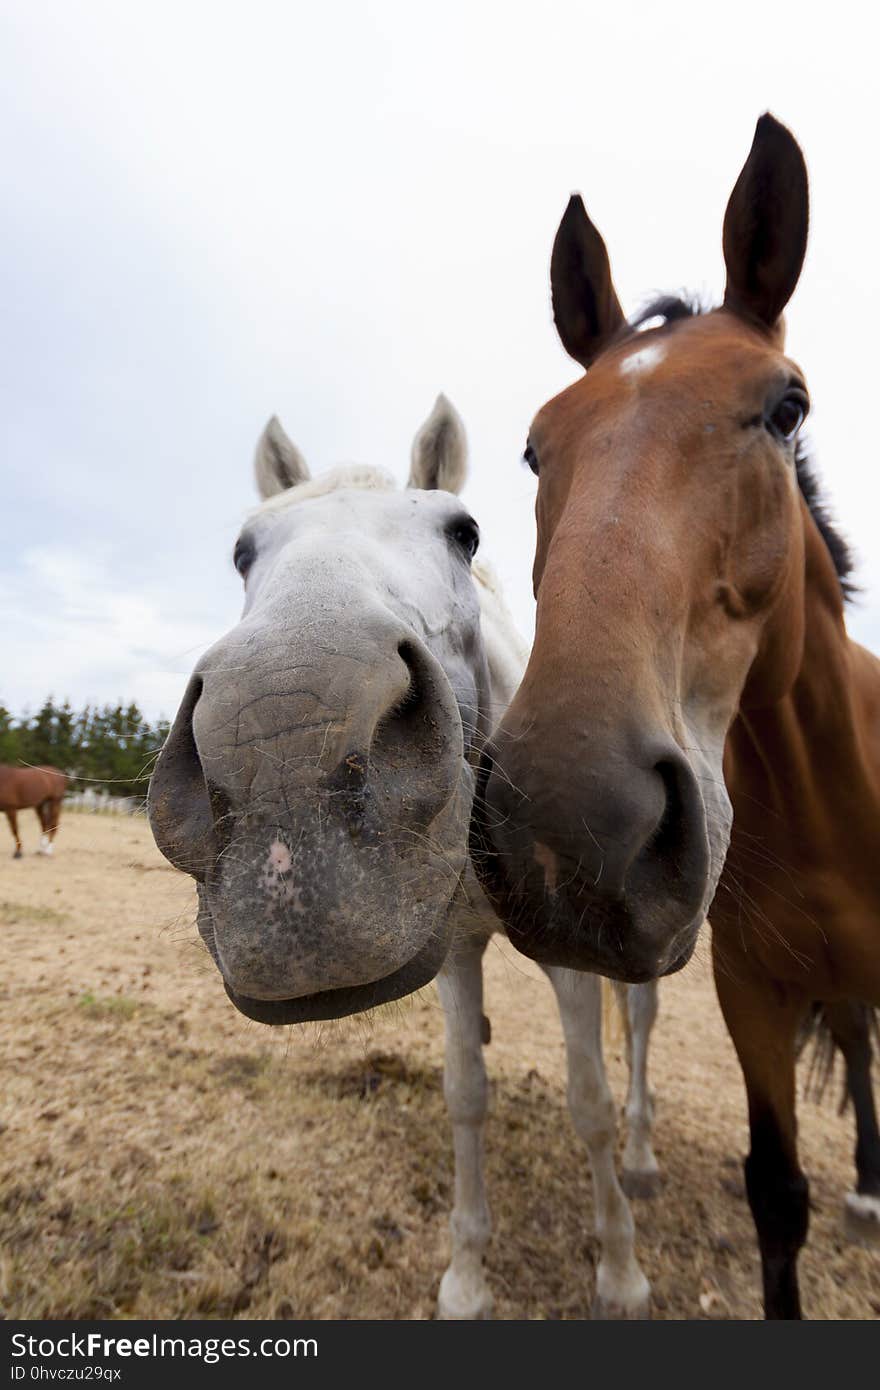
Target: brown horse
x,y
40,787
695,729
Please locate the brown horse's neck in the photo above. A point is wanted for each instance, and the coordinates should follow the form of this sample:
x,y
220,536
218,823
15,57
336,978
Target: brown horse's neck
x,y
807,759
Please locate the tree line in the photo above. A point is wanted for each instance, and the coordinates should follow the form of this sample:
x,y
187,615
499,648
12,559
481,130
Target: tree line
x,y
106,747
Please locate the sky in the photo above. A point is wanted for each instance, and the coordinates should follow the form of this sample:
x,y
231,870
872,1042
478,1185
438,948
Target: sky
x,y
213,213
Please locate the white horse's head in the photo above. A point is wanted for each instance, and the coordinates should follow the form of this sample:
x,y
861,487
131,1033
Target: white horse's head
x,y
317,780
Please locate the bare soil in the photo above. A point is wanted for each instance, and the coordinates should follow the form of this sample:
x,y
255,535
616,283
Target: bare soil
x,y
161,1157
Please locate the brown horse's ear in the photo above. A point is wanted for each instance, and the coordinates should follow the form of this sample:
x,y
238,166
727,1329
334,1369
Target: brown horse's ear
x,y
585,305
765,226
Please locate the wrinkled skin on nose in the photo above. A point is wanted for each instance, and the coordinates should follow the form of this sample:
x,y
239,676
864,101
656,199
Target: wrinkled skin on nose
x,y
321,800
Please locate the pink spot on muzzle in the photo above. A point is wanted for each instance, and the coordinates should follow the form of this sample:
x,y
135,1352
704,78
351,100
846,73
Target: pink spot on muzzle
x,y
545,857
279,858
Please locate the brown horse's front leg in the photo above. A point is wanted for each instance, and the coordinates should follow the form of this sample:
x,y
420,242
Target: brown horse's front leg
x,y
13,826
762,1018
48,812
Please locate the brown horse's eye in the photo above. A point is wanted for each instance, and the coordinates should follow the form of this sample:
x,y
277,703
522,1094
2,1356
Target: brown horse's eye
x,y
787,417
531,458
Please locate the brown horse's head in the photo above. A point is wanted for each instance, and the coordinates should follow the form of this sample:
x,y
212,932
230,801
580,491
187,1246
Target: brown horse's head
x,y
668,573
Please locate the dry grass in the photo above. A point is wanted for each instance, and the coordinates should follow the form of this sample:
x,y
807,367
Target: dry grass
x,y
164,1158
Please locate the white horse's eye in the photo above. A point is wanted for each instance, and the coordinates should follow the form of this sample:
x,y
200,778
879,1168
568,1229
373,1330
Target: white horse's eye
x,y
243,556
466,534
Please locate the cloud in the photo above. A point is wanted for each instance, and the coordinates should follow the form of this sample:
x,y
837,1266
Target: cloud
x,y
208,224
70,630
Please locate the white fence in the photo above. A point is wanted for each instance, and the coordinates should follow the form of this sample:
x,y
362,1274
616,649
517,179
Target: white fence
x,y
103,803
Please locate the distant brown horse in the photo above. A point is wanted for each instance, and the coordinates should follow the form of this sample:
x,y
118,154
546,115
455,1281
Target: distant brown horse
x,y
695,729
40,787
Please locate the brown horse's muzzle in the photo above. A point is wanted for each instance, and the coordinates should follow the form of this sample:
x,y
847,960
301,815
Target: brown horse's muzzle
x,y
602,864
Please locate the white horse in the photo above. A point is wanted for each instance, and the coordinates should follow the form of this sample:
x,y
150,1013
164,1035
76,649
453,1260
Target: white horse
x,y
317,783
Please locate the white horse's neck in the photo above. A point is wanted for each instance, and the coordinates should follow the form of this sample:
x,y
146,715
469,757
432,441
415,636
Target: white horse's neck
x,y
506,652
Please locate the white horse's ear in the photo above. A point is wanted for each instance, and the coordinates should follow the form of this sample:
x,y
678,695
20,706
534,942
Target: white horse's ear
x,y
278,463
439,451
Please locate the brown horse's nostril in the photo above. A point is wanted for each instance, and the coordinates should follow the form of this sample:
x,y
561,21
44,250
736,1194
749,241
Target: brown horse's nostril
x,y
673,859
667,834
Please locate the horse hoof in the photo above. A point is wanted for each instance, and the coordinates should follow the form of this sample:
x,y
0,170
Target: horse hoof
x,y
457,1302
17,854
605,1310
861,1219
644,1185
448,1312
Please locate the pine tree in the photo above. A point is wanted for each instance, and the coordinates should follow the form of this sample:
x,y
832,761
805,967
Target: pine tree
x,y
41,734
110,748
10,741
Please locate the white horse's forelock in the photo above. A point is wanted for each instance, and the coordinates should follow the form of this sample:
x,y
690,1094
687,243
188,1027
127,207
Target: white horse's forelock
x,y
353,475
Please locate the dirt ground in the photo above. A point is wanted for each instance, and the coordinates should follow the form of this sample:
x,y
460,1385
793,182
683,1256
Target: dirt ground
x,y
162,1157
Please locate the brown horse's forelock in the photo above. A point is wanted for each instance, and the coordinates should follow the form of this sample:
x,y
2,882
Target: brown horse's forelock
x,y
671,309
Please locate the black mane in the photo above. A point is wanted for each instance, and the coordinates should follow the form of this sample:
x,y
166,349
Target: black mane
x,y
670,308
837,547
673,307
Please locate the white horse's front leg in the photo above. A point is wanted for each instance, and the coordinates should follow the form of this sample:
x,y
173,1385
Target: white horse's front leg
x,y
622,1291
464,1292
641,1171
